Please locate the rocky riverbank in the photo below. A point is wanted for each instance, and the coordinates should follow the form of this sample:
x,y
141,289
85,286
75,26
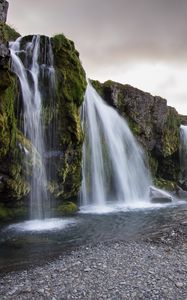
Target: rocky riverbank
x,y
152,269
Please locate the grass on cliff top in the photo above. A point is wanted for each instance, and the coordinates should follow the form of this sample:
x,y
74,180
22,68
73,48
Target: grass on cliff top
x,y
8,33
67,61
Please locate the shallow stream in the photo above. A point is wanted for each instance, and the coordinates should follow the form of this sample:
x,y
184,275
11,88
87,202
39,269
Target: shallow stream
x,y
25,244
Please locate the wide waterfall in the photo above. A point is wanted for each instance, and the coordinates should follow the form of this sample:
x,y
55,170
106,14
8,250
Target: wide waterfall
x,y
114,169
33,65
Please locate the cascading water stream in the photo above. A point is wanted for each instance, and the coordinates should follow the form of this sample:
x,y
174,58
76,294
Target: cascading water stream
x,y
30,70
114,169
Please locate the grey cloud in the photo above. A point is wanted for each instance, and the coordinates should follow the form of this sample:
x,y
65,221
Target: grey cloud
x,y
110,31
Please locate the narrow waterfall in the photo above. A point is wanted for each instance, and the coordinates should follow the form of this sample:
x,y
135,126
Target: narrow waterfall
x,y
33,65
114,170
183,152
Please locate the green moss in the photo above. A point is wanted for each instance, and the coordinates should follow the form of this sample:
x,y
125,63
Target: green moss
x,y
12,213
8,90
68,208
171,133
165,184
69,69
7,33
4,212
153,164
134,126
71,85
10,33
98,86
18,188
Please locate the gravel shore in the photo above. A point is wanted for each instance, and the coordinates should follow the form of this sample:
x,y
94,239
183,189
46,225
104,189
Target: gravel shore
x,y
115,270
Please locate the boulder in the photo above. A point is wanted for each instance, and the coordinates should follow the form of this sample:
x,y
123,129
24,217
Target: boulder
x,y
159,196
180,193
161,200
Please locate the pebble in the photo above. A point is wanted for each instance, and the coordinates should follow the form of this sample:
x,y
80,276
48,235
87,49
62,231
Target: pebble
x,y
179,284
118,271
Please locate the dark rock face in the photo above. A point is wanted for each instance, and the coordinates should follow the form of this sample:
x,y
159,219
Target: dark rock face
x,y
4,55
12,185
4,52
155,125
3,10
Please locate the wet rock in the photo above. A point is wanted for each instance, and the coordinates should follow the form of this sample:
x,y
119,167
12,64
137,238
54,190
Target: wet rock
x,y
180,193
4,55
161,200
159,196
4,51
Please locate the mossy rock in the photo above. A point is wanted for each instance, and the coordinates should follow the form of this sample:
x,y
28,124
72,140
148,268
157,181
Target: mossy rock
x,y
68,208
4,212
70,88
7,213
167,185
171,133
8,125
10,33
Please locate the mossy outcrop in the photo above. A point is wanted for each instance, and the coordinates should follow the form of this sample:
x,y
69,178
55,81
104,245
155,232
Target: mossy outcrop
x,y
10,33
70,89
66,209
63,118
13,186
155,125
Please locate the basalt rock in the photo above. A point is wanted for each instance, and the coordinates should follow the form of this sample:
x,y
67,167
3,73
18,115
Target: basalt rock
x,y
155,125
3,10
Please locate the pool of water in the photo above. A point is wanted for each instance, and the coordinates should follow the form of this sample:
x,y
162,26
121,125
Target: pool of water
x,y
35,242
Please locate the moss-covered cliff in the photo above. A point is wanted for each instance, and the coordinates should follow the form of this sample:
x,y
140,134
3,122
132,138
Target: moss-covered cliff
x,y
155,125
13,186
70,89
63,118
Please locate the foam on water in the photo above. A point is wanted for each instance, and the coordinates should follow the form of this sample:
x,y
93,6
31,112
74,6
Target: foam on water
x,y
42,225
114,208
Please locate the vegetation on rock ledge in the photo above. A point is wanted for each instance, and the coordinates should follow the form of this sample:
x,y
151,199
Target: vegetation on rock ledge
x,y
155,125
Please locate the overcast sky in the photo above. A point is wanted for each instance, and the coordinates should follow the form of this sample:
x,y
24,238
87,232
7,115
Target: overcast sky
x,y
139,42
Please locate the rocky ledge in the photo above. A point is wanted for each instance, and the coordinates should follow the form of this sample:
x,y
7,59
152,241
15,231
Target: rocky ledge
x,y
155,124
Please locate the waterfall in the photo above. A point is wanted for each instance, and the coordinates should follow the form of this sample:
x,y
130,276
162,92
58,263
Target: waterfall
x,y
33,64
114,169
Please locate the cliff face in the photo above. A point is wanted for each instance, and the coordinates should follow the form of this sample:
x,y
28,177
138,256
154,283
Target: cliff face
x,y
3,10
71,85
69,93
12,185
155,125
61,115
